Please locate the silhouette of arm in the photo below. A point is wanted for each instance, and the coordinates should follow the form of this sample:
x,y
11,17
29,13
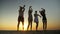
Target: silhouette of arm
x,y
38,15
23,9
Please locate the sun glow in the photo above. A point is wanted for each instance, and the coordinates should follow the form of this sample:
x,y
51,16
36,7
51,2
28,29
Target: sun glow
x,y
25,26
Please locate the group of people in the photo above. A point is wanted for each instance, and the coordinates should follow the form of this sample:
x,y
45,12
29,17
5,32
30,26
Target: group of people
x,y
30,17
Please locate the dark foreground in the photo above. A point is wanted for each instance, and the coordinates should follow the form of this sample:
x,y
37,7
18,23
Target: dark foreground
x,y
31,32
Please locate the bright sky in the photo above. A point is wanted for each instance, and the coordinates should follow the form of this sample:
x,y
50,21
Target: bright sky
x,y
9,13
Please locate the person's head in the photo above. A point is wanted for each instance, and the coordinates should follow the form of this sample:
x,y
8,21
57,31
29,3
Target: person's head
x,y
20,7
30,6
36,12
43,9
23,5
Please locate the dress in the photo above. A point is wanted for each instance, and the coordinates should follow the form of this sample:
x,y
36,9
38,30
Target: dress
x,y
36,18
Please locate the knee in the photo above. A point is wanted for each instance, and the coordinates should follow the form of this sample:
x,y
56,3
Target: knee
x,y
36,24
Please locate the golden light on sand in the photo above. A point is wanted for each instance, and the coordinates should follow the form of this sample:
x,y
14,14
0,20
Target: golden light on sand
x,y
21,26
25,26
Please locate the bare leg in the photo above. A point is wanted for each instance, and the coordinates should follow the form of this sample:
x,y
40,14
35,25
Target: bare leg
x,y
45,25
28,25
31,26
36,25
43,28
18,26
23,25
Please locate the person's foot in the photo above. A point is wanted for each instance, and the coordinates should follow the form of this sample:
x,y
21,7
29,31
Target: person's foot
x,y
17,29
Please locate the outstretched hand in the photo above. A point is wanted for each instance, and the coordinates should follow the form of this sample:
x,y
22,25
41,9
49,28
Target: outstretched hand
x,y
39,15
40,12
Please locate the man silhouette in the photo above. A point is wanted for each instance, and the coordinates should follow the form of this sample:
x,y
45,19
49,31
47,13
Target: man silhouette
x,y
30,18
36,19
20,17
44,20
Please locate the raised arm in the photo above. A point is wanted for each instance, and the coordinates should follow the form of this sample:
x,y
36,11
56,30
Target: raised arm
x,y
38,15
23,9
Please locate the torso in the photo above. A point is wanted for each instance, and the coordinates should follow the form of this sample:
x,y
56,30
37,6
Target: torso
x,y
21,13
43,15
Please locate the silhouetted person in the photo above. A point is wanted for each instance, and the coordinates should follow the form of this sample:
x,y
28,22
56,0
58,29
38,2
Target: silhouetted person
x,y
30,18
21,16
44,19
36,19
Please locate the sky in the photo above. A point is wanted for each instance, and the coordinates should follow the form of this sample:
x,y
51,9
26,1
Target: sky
x,y
9,13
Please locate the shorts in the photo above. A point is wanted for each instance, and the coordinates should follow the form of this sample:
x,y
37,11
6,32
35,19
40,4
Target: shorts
x,y
20,18
36,20
44,21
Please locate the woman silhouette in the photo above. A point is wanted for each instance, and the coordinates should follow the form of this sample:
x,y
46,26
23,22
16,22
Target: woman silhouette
x,y
20,17
30,18
36,19
44,19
